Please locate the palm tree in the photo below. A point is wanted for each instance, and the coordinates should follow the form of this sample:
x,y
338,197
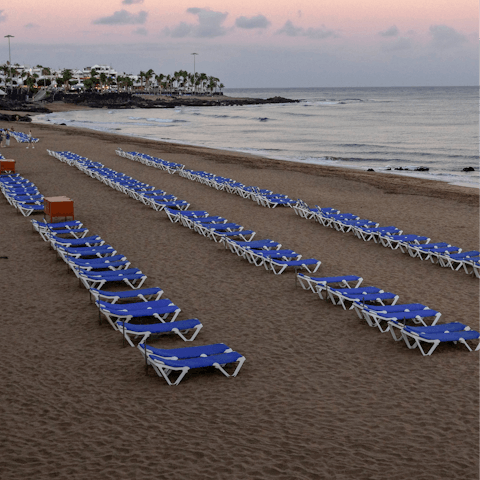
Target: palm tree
x,y
93,80
142,75
103,80
66,77
148,75
44,72
168,81
30,82
159,78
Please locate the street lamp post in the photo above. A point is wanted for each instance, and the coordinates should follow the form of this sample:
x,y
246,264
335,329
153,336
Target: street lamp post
x,y
194,79
10,59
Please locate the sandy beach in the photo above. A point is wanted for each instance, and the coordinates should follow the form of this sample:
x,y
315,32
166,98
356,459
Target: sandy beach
x,y
320,396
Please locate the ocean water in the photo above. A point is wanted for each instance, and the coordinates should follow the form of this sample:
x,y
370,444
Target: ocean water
x,y
379,128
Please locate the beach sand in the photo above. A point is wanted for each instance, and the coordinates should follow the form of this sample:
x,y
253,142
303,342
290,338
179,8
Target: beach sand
x,y
320,396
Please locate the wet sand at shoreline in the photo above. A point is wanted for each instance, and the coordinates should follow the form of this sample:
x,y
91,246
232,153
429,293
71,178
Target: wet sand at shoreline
x,y
321,395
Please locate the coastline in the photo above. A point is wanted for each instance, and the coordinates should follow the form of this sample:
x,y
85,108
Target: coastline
x,y
328,155
321,394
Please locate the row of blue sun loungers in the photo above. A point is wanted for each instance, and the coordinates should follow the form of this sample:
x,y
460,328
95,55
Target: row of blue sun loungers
x,y
147,194
266,253
170,167
265,198
97,264
21,194
417,246
415,323
442,253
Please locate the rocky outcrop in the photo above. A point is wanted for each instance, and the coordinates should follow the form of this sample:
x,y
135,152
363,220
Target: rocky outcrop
x,y
4,117
21,106
127,100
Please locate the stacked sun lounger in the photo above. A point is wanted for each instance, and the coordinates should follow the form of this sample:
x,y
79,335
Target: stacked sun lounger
x,y
417,246
21,194
415,323
138,313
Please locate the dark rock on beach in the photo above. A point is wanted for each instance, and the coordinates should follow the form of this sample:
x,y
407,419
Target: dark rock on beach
x,y
21,106
468,169
14,118
416,169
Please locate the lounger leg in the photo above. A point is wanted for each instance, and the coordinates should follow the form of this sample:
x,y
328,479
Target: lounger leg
x,y
185,339
431,350
461,340
180,377
394,335
407,341
234,374
239,366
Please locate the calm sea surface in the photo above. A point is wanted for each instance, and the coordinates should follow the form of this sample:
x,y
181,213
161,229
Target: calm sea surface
x,y
379,128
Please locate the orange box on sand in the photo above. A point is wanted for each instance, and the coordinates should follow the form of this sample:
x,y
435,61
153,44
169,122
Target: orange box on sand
x,y
58,209
7,166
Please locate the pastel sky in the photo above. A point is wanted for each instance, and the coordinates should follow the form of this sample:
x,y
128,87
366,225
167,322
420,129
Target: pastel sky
x,y
255,43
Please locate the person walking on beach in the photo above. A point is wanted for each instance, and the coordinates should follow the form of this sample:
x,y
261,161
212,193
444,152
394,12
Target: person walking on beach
x,y
30,138
7,137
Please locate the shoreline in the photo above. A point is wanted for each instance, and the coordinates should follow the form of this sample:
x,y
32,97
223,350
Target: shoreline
x,y
329,390
388,182
459,180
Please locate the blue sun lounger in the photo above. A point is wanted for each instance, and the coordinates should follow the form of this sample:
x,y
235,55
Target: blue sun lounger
x,y
330,220
311,265
85,252
375,315
241,235
456,261
240,247
72,224
165,367
91,241
337,295
131,331
98,267
373,233
133,277
429,252
177,215
402,242
184,352
206,229
361,295
160,309
346,226
432,336
261,257
26,209
76,233
319,284
145,294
